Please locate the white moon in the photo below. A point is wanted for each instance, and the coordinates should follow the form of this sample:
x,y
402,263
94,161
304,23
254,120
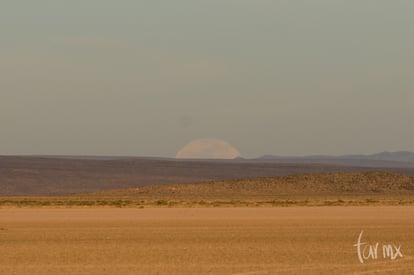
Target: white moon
x,y
208,148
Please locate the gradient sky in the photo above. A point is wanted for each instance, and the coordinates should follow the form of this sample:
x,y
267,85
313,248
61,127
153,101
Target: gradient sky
x,y
100,77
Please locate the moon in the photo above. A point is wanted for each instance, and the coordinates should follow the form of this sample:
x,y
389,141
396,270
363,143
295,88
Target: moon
x,y
208,148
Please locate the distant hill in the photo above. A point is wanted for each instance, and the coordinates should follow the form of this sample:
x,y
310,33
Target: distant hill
x,y
403,156
58,175
308,185
383,159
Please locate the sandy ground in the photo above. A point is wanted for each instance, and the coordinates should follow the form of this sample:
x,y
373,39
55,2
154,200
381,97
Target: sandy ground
x,y
295,240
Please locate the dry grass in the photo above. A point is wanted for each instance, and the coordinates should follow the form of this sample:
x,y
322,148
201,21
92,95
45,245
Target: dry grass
x,y
322,184
134,202
33,176
370,188
293,240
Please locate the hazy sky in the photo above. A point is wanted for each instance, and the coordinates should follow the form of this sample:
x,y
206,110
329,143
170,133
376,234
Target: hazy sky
x,y
100,77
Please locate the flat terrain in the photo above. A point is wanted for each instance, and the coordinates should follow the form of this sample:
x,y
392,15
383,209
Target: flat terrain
x,y
294,240
344,189
28,176
146,216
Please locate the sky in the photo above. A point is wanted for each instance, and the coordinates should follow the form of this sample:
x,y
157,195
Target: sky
x,y
144,78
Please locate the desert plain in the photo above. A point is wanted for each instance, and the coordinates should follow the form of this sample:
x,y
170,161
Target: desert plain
x,y
261,240
153,217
